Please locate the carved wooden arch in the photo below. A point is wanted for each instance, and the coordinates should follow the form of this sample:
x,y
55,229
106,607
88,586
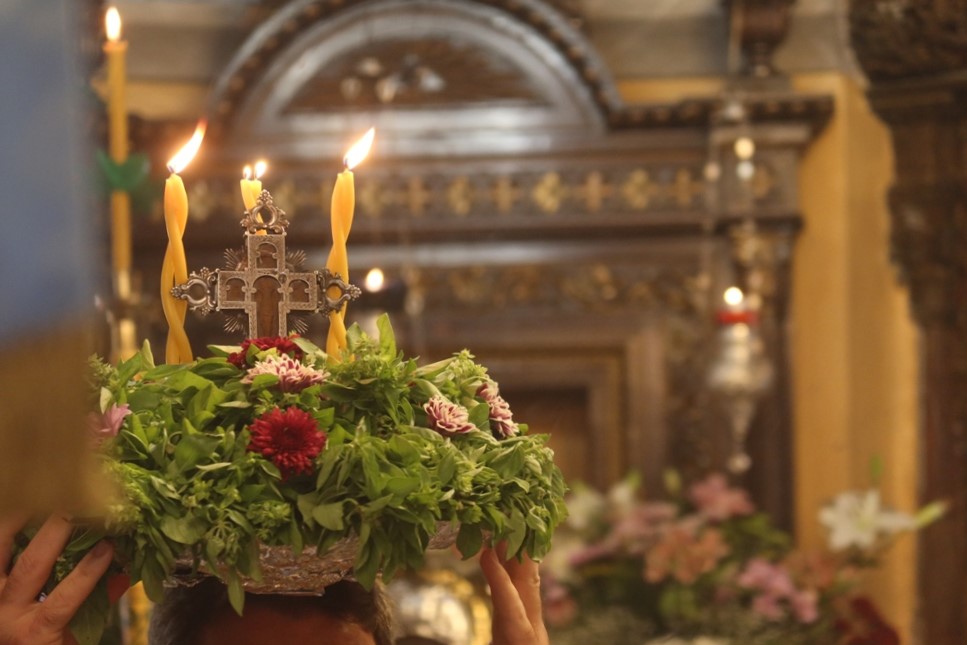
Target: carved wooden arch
x,y
540,75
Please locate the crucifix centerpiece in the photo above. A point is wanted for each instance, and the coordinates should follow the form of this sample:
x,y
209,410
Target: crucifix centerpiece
x,y
263,288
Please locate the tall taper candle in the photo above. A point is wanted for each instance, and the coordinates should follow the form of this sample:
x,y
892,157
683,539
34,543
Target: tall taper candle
x,y
174,270
343,205
115,51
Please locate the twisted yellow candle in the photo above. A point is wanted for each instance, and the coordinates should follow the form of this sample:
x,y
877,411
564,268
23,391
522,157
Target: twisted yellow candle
x,y
174,270
252,188
343,205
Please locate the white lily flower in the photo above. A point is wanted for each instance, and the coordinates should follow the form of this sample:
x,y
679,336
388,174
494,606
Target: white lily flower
x,y
585,507
857,518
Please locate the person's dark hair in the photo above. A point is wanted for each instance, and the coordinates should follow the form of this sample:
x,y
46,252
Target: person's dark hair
x,y
185,611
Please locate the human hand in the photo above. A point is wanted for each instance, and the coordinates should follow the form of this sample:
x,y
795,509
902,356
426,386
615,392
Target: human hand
x,y
23,618
515,589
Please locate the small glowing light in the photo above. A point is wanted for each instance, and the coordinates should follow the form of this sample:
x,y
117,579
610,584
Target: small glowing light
x,y
260,167
184,156
733,296
112,24
744,148
745,170
247,172
359,150
712,171
374,279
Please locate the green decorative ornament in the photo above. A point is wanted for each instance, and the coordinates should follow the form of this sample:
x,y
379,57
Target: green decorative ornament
x,y
126,176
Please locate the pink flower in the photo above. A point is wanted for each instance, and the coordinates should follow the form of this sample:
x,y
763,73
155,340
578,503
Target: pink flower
x,y
293,375
815,570
107,424
501,418
593,553
447,418
684,553
640,527
804,606
762,575
774,585
768,607
560,608
717,501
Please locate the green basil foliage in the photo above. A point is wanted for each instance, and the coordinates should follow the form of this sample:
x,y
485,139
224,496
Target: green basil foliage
x,y
185,486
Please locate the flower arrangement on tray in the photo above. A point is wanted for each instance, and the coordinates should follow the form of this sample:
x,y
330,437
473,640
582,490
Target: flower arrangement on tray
x,y
272,452
708,568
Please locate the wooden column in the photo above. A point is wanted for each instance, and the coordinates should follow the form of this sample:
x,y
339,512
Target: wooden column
x,y
915,55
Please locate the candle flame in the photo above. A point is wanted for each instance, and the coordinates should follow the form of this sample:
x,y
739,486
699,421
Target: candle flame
x,y
359,150
733,296
184,156
112,24
247,172
260,167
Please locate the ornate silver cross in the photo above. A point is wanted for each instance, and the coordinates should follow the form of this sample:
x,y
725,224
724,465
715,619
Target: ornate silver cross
x,y
263,287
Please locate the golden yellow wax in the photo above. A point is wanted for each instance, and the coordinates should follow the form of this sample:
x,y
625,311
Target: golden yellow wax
x,y
174,271
343,204
251,189
115,52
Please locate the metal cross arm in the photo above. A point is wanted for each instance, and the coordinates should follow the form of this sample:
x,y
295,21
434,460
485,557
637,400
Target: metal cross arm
x,y
263,286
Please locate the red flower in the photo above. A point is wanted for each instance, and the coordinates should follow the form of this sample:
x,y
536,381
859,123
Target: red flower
x,y
282,345
861,624
291,440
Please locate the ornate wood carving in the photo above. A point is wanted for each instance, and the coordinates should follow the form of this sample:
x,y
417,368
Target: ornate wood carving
x,y
909,38
426,72
565,52
916,52
759,27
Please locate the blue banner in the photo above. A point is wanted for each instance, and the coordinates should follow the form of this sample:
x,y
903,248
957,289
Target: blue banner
x,y
45,231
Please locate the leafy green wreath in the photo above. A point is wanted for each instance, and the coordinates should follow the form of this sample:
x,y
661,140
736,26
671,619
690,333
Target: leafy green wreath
x,y
274,443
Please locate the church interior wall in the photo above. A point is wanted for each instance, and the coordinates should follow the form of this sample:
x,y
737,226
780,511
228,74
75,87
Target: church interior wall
x,y
853,345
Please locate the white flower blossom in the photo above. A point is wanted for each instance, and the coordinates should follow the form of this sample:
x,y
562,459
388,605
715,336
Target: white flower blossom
x,y
293,375
585,507
446,417
857,518
623,496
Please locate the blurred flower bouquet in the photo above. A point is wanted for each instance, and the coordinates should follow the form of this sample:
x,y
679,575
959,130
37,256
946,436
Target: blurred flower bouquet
x,y
711,570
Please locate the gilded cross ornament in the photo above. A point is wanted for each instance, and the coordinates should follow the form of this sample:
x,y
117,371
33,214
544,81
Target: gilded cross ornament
x,y
417,196
505,194
549,193
460,196
639,189
686,188
594,191
263,286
